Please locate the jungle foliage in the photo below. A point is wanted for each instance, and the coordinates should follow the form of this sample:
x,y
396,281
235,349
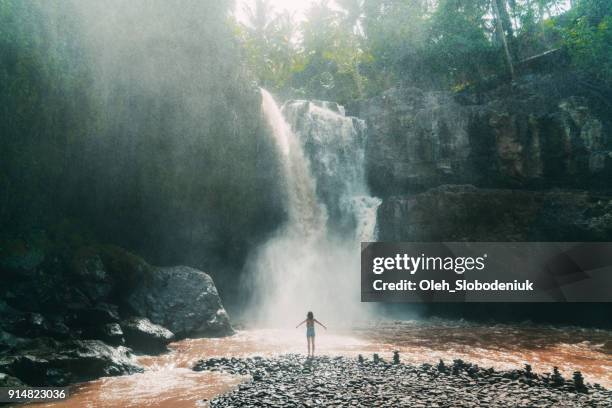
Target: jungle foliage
x,y
351,49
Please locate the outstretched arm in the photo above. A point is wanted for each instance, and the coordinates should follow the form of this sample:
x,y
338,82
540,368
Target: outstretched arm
x,y
320,324
300,324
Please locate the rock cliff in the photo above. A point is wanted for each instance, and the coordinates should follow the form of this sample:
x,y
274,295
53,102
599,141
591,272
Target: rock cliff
x,y
467,213
530,160
526,161
538,132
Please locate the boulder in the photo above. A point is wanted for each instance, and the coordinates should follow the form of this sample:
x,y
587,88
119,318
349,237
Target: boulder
x,y
112,334
90,274
109,333
47,362
85,295
182,299
96,314
30,324
143,336
8,381
37,325
9,341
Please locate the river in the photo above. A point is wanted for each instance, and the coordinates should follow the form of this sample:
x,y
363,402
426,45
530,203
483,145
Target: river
x,y
168,380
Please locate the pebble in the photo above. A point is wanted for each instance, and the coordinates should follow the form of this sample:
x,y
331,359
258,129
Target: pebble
x,y
295,381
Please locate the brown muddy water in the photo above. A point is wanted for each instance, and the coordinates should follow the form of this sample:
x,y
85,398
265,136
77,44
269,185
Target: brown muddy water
x,y
168,380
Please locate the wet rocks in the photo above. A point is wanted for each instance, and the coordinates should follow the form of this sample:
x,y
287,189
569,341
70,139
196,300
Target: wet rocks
x,y
110,333
8,381
183,299
292,380
396,357
68,316
9,341
36,325
143,336
92,276
579,384
48,362
98,313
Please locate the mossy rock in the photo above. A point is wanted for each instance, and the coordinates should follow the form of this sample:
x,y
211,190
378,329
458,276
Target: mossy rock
x,y
127,269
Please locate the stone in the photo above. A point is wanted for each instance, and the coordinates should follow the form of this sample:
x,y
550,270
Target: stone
x,y
109,333
9,341
37,325
182,299
62,323
90,274
340,381
143,336
96,314
8,381
60,363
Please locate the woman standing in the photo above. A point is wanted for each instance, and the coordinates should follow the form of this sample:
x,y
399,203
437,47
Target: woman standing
x,y
310,331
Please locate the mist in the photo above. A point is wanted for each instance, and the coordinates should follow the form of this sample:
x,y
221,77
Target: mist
x,y
312,262
184,162
164,150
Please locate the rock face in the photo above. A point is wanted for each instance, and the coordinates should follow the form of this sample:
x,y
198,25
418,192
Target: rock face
x,y
525,161
531,160
182,299
541,131
144,336
466,213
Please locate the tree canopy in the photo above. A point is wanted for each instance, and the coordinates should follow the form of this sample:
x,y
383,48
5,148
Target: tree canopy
x,y
351,49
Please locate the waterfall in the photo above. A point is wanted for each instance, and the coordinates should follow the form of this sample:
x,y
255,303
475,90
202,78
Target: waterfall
x,y
312,262
306,215
335,145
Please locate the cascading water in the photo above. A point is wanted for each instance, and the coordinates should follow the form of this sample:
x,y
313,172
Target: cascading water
x,y
335,145
307,216
312,262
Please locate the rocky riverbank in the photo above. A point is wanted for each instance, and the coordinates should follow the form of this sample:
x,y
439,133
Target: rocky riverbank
x,y
75,315
291,380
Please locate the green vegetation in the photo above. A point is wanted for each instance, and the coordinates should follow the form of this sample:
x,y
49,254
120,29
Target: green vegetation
x,y
351,49
587,34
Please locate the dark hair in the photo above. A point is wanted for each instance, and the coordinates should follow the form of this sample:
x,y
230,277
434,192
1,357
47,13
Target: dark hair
x,y
309,316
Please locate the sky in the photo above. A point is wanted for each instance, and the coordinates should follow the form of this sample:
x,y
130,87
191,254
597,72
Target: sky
x,y
295,6
299,7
